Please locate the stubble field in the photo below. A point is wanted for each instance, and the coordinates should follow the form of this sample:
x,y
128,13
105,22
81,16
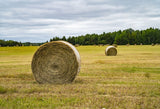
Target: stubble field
x,y
130,80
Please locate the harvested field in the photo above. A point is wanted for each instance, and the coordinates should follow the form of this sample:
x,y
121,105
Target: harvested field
x,y
129,80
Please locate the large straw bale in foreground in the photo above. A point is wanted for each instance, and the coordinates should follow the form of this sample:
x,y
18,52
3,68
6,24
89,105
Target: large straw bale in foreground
x,y
111,51
57,62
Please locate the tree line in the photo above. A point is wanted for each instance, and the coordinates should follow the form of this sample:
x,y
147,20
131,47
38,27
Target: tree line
x,y
128,36
4,43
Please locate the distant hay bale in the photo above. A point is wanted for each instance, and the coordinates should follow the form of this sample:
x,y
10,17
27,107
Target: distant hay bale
x,y
76,45
128,44
115,45
56,62
111,51
100,45
107,45
153,44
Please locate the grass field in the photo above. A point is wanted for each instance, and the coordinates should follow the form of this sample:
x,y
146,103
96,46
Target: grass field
x,y
130,80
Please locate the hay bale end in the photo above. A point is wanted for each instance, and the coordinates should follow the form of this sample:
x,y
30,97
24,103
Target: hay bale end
x,y
111,51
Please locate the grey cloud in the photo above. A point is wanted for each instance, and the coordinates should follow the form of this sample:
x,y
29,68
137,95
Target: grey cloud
x,y
42,19
60,9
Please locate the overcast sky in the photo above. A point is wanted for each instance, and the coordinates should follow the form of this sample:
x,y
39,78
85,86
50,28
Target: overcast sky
x,y
40,20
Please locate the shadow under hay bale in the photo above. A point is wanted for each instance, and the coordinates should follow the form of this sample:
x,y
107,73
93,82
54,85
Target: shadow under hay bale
x,y
56,62
111,51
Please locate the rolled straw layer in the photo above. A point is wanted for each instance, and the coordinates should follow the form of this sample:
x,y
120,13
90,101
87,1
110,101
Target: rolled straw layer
x,y
111,51
56,62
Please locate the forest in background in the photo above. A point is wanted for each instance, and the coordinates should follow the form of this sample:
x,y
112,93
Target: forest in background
x,y
4,43
128,36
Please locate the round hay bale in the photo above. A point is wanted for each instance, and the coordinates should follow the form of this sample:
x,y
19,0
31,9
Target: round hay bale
x,y
111,51
76,45
153,44
56,62
128,44
115,45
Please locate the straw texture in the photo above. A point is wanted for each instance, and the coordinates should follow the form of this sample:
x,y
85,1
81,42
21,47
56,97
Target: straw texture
x,y
56,62
111,51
